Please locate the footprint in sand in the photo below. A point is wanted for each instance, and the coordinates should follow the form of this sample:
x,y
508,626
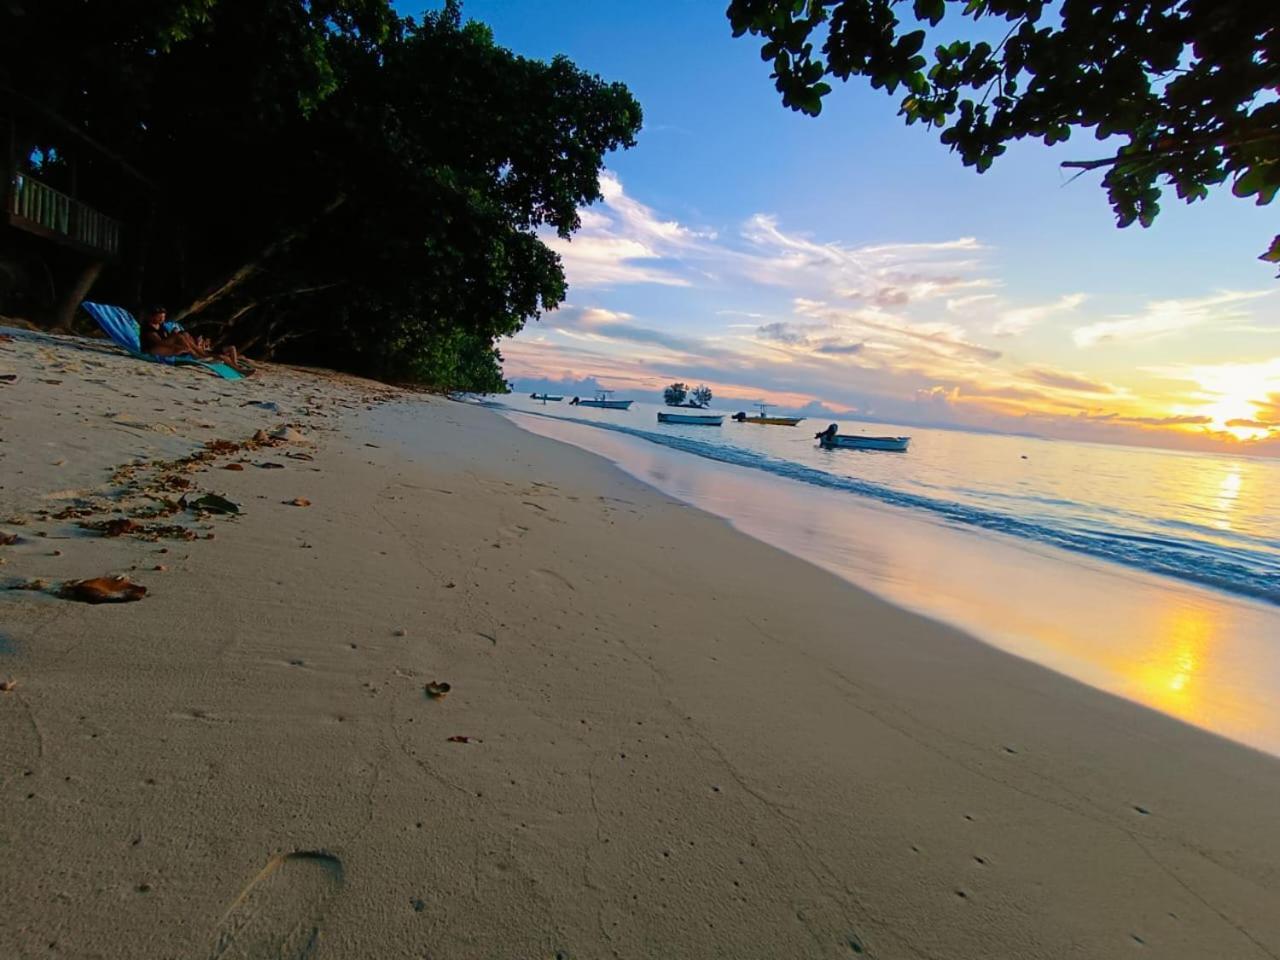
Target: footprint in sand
x,y
280,913
550,576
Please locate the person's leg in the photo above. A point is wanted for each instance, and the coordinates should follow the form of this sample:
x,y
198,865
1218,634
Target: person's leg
x,y
190,345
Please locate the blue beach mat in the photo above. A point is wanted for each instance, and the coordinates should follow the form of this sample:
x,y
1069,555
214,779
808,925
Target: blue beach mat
x,y
118,324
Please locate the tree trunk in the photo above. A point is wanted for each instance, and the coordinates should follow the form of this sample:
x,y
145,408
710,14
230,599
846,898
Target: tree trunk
x,y
64,308
249,269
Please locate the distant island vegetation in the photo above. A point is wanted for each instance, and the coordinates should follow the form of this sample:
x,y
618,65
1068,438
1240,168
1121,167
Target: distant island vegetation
x,y
679,395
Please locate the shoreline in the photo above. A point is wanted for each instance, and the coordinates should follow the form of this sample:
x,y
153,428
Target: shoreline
x,y
1193,653
663,757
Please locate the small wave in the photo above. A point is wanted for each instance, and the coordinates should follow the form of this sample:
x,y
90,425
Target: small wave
x,y
1249,573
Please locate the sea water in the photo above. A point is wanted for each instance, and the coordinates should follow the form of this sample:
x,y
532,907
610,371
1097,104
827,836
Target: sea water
x,y
1150,573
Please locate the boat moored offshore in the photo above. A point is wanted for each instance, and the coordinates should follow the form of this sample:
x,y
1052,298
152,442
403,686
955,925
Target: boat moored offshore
x,y
692,419
763,418
832,439
603,399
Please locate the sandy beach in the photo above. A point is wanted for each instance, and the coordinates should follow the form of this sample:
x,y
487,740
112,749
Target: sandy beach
x,y
661,738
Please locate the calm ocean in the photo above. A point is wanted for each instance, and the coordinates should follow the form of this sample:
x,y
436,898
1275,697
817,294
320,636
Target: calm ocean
x,y
1211,520
1147,573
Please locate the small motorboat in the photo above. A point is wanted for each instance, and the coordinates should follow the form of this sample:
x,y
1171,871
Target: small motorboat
x,y
545,397
763,418
692,419
831,439
603,400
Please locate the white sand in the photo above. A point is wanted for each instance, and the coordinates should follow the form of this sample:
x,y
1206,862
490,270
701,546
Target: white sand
x,y
684,743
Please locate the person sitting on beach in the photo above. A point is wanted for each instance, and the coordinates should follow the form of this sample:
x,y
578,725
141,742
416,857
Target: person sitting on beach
x,y
162,339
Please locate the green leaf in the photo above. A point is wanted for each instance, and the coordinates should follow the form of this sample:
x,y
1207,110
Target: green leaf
x,y
1273,253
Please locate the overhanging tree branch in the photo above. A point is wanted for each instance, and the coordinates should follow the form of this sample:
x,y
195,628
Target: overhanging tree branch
x,y
249,269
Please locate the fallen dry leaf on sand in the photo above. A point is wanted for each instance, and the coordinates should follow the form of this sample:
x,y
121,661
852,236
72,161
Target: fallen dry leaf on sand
x,y
103,590
298,502
8,539
7,685
437,689
460,739
234,466
269,465
113,528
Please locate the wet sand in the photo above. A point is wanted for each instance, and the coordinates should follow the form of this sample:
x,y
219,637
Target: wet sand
x,y
1204,656
662,738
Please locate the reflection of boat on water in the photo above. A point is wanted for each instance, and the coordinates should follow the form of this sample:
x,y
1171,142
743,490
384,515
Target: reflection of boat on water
x,y
692,419
545,397
602,400
830,439
763,418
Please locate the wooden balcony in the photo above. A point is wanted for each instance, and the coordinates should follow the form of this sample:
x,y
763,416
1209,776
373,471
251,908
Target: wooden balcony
x,y
40,209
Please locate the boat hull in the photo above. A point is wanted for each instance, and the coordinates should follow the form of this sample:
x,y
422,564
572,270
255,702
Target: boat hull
x,y
898,444
692,419
773,421
545,398
607,404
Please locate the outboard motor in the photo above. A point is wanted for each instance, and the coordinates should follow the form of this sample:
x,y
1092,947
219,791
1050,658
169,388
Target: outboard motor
x,y
573,402
739,416
827,435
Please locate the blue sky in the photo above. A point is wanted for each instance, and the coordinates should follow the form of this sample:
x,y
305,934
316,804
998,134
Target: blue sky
x,y
853,260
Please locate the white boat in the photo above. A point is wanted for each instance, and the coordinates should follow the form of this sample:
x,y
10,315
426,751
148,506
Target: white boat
x,y
603,400
545,397
692,419
763,418
829,439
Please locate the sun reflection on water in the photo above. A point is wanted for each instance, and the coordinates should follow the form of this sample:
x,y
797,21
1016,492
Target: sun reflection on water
x,y
1166,675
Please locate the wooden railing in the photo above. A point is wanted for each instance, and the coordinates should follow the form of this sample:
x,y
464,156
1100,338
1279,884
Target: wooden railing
x,y
54,212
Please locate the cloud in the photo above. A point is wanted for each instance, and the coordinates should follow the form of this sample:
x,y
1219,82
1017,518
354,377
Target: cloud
x,y
624,242
840,348
1268,409
1162,318
600,325
899,331
902,334
784,332
1066,381
1013,322
882,275
1175,420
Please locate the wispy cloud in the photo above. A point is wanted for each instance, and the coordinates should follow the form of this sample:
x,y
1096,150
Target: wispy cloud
x,y
912,332
1012,322
1162,318
1064,380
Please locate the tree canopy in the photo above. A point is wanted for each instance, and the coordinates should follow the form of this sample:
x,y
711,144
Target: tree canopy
x,y
334,183
675,394
1183,93
701,395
